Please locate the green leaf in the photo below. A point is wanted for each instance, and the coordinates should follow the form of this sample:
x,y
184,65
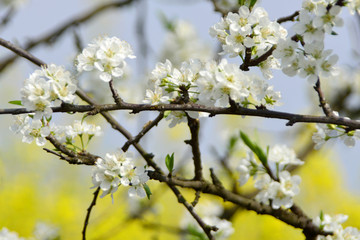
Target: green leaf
x,y
254,147
147,190
252,3
167,23
169,162
16,102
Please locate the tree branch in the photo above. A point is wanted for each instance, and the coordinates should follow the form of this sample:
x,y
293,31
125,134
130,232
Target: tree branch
x,y
323,104
207,229
284,215
147,127
136,108
92,204
194,126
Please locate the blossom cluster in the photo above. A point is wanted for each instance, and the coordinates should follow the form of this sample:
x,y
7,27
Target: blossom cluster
x,y
333,224
5,234
325,132
119,169
209,84
249,30
107,56
47,87
309,60
209,212
35,129
279,187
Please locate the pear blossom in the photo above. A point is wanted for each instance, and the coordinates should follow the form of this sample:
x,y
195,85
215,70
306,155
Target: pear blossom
x,y
247,29
325,132
306,28
31,129
247,167
45,231
282,155
334,224
106,55
46,88
119,169
327,18
5,234
280,192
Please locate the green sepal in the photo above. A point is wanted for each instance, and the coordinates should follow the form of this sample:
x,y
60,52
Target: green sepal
x,y
169,162
147,190
16,102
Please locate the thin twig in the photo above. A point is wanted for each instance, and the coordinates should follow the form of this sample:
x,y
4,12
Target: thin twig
x,y
114,93
197,198
194,126
147,127
206,228
75,158
92,204
70,160
288,18
323,104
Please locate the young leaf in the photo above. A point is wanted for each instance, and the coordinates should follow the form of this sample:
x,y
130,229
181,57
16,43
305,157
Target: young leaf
x,y
147,190
169,162
254,147
252,3
16,102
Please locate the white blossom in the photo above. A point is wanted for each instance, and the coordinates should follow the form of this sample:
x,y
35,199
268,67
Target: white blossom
x,y
247,29
119,169
44,231
46,88
5,234
334,224
106,55
283,156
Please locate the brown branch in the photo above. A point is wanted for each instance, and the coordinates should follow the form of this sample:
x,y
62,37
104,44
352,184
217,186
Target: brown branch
x,y
284,215
92,204
288,18
52,36
194,126
323,104
147,127
136,108
207,229
114,93
73,157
